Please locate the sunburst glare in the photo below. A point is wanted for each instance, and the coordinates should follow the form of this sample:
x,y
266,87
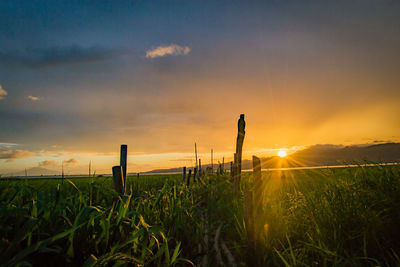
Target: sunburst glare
x,y
282,153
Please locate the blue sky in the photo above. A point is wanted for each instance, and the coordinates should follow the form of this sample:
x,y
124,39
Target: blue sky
x,y
76,81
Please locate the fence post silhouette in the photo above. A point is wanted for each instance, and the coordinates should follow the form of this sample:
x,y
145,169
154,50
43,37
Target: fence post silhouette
x,y
255,228
258,188
250,227
123,160
188,177
239,146
184,174
118,179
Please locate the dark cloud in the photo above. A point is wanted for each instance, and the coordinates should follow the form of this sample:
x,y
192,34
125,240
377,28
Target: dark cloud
x,y
50,57
10,155
382,141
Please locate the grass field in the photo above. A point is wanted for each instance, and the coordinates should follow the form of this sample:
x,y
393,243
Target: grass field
x,y
347,216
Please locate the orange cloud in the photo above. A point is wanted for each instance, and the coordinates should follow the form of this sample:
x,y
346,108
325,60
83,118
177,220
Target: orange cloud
x,y
173,50
33,98
10,155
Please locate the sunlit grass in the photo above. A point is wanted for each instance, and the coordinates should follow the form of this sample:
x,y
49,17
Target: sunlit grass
x,y
343,216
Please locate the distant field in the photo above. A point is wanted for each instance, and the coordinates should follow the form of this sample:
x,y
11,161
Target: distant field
x,y
343,216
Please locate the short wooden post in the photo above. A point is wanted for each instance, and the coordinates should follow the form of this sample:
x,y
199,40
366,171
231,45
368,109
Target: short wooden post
x,y
184,174
123,160
253,205
223,165
188,177
258,188
118,179
250,228
195,174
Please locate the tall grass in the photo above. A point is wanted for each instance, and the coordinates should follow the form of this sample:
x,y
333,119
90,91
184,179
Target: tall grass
x,y
327,217
340,217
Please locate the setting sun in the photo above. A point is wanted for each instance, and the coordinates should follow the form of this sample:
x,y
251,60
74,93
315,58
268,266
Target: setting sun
x,y
282,153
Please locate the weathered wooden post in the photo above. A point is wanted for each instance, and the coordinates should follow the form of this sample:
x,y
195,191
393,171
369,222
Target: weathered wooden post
x,y
223,165
188,178
184,174
118,179
255,228
123,160
239,146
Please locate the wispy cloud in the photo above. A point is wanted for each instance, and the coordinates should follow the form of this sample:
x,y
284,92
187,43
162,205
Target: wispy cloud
x,y
33,98
10,155
173,50
4,146
3,92
48,163
71,161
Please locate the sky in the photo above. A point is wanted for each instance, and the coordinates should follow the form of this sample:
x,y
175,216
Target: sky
x,y
80,78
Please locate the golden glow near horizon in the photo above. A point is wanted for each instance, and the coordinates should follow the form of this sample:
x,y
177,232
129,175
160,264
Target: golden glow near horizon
x,y
282,153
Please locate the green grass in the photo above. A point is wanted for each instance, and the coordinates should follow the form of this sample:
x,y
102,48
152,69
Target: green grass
x,y
347,216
